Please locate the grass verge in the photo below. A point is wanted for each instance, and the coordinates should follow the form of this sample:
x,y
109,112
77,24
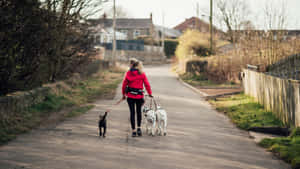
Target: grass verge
x,y
76,93
287,148
245,112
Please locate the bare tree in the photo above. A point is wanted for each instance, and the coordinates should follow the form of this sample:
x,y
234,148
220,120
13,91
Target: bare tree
x,y
232,13
120,12
69,13
275,22
275,15
74,9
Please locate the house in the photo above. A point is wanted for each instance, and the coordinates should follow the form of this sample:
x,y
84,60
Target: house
x,y
168,32
131,27
196,23
193,23
102,36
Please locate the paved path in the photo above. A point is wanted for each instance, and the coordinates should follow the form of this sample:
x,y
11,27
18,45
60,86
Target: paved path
x,y
198,138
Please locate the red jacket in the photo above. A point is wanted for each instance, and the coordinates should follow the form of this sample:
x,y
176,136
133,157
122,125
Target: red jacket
x,y
135,80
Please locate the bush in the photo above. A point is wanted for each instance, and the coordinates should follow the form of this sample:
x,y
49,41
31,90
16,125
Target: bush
x,y
170,47
196,66
193,43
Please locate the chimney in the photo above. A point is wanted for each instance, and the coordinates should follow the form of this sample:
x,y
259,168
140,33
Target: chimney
x,y
151,16
104,16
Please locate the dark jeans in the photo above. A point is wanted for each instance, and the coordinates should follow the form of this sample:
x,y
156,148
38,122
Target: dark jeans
x,y
135,105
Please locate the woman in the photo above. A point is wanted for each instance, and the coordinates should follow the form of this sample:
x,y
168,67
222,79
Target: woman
x,y
133,87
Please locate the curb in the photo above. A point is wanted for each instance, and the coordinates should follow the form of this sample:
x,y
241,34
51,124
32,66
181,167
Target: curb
x,y
192,88
206,96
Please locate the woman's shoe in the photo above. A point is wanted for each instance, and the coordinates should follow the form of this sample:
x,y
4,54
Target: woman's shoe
x,y
134,134
139,132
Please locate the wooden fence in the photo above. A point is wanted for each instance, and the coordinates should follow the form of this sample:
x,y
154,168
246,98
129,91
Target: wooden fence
x,y
281,96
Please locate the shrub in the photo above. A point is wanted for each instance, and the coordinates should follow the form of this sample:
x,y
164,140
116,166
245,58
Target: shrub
x,y
170,47
193,43
196,66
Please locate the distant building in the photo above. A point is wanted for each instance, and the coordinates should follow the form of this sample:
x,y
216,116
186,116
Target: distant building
x,y
195,23
131,27
101,35
282,34
167,32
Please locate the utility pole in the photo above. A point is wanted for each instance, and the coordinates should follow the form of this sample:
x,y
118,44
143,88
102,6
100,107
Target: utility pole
x,y
163,31
211,25
197,13
114,35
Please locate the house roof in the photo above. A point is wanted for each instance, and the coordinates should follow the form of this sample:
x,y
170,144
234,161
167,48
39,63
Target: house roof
x,y
169,32
194,23
123,23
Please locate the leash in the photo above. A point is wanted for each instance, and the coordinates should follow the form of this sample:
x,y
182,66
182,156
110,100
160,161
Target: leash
x,y
120,101
152,101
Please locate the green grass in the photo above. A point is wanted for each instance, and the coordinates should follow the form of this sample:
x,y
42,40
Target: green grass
x,y
93,88
51,103
245,112
201,80
79,110
62,95
287,148
28,119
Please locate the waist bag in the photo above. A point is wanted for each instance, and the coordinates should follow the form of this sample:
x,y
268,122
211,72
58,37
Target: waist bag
x,y
134,91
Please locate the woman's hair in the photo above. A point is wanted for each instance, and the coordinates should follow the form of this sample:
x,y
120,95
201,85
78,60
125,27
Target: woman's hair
x,y
136,64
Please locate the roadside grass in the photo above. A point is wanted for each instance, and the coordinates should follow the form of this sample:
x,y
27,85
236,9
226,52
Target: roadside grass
x,y
79,110
245,112
201,81
32,117
74,95
287,148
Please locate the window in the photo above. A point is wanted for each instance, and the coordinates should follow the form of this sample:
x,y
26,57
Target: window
x,y
98,39
124,31
136,33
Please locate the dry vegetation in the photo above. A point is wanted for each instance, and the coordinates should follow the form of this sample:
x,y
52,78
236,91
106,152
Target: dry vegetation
x,y
254,50
195,45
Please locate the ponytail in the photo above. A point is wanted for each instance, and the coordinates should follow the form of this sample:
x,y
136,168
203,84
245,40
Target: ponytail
x,y
136,64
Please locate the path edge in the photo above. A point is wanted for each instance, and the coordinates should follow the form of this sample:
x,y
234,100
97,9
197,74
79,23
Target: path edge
x,y
191,87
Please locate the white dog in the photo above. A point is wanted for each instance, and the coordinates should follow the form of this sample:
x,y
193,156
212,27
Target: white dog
x,y
150,116
158,117
162,118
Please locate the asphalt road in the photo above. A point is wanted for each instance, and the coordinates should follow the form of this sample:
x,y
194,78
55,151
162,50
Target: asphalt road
x,y
198,138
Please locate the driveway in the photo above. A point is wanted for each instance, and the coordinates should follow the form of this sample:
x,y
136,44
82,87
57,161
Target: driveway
x,y
198,138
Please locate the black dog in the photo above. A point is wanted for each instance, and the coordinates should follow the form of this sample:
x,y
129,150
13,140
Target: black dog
x,y
102,124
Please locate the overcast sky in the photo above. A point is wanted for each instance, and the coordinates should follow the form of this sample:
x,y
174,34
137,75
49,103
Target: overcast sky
x,y
176,11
